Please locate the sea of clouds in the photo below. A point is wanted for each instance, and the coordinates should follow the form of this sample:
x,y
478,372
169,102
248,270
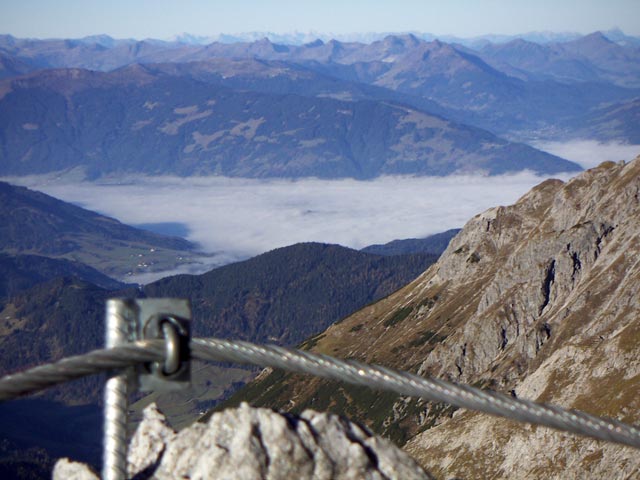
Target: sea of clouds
x,y
590,153
237,218
247,216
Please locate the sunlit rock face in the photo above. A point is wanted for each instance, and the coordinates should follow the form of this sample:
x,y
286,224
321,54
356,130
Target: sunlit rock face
x,y
556,318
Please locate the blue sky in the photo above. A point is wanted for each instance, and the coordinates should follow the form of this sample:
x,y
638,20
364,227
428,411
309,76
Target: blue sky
x,y
164,18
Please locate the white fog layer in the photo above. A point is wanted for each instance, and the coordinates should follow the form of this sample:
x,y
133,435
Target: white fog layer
x,y
590,153
237,218
244,217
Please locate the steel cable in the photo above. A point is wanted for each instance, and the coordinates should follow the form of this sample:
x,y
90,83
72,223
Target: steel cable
x,y
71,368
405,383
373,376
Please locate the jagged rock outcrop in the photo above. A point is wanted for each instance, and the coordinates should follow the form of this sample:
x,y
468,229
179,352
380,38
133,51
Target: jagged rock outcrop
x,y
248,443
540,299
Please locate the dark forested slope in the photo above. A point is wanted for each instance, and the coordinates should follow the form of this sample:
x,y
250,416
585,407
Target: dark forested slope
x,y
286,294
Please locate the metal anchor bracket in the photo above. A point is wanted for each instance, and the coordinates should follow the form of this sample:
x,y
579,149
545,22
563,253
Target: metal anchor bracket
x,y
168,319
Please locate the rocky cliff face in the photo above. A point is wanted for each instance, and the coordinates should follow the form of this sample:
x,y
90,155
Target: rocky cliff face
x,y
555,318
540,299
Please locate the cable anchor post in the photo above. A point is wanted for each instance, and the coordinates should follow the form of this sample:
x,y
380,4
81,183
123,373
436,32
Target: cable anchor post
x,y
131,320
168,319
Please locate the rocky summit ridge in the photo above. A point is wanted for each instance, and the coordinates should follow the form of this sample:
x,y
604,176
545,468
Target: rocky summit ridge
x,y
254,443
539,299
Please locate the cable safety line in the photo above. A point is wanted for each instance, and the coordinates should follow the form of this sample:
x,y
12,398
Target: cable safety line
x,y
72,368
351,371
404,383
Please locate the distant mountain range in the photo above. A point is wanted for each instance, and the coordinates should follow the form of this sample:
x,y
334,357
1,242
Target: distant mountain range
x,y
399,105
300,38
592,58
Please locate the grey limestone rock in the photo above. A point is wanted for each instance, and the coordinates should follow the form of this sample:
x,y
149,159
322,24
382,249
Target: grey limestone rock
x,y
257,443
68,470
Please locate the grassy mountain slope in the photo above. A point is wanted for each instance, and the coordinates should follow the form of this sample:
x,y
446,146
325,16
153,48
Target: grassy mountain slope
x,y
34,223
21,272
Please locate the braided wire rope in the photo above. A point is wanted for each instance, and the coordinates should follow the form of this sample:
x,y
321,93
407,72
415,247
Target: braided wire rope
x,y
350,371
78,366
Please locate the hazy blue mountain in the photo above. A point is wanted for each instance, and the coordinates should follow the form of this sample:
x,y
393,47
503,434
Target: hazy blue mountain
x,y
542,37
619,64
190,39
538,61
99,52
138,120
621,38
461,80
13,67
475,92
298,38
279,77
104,40
433,244
102,52
619,121
587,59
480,88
